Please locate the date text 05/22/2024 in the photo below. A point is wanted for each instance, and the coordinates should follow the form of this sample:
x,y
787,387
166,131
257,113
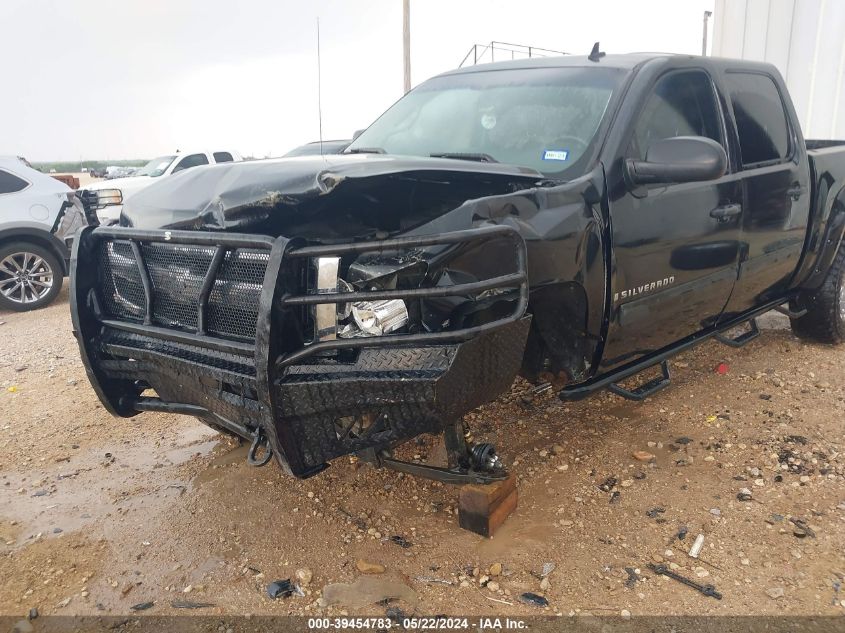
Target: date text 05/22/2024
x,y
417,623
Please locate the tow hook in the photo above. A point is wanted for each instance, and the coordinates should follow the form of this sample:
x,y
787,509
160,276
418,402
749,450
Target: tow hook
x,y
259,442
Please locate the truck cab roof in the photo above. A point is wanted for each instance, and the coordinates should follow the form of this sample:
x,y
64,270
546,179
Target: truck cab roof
x,y
626,61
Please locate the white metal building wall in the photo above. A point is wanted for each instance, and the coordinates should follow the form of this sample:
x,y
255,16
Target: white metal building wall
x,y
805,39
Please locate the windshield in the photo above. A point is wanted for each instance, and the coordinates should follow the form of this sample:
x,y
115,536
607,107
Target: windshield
x,y
542,118
156,167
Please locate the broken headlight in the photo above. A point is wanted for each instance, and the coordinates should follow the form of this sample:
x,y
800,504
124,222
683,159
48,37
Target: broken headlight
x,y
365,318
375,318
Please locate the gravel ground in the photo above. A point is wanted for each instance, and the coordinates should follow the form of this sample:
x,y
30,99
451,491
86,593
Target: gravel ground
x,y
98,514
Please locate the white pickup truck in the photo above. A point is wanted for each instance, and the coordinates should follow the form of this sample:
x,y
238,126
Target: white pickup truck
x,y
112,193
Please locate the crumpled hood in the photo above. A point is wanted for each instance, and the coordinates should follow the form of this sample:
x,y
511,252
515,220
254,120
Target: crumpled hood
x,y
328,198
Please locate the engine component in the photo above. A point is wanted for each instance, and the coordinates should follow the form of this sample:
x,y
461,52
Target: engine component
x,y
483,457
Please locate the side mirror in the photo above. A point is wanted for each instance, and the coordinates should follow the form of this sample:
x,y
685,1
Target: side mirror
x,y
678,159
357,133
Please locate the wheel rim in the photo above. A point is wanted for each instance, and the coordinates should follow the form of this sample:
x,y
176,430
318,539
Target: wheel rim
x,y
25,277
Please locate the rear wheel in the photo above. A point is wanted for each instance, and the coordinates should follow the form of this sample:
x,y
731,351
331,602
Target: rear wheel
x,y
30,276
825,318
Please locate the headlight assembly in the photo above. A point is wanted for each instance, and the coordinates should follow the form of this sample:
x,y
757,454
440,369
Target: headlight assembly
x,y
109,197
356,318
376,318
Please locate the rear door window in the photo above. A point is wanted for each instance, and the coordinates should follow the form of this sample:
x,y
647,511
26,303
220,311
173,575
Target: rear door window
x,y
222,157
193,160
682,104
9,183
760,118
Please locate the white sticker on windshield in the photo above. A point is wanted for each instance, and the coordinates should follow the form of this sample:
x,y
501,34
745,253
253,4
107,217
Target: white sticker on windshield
x,y
488,121
556,154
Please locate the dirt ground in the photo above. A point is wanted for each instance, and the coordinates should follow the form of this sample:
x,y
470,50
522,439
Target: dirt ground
x,y
98,515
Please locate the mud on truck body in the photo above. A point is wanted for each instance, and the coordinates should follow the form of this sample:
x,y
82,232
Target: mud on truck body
x,y
579,217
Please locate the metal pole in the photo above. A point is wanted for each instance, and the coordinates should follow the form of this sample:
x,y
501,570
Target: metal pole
x,y
406,41
707,15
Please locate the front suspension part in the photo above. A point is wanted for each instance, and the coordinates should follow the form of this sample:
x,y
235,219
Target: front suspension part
x,y
468,462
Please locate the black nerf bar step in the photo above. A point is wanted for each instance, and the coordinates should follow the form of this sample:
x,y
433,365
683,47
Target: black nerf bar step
x,y
579,392
787,310
749,335
646,389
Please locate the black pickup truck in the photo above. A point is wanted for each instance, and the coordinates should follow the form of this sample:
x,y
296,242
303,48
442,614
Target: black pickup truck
x,y
577,217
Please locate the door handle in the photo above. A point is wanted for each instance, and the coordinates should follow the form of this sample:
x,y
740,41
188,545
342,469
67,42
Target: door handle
x,y
795,191
725,213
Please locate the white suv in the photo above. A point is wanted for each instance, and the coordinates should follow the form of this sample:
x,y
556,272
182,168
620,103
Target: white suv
x,y
112,193
38,218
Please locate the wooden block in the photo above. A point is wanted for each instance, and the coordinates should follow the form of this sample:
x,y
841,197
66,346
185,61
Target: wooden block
x,y
482,508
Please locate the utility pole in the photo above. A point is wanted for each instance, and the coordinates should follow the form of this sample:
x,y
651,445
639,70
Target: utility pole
x,y
406,42
707,15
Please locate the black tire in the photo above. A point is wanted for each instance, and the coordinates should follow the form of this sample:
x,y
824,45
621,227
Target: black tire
x,y
32,294
825,318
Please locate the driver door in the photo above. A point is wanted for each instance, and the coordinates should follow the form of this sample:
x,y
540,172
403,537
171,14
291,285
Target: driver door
x,y
675,247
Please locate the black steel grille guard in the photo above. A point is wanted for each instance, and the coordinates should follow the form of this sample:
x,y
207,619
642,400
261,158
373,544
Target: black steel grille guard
x,y
279,249
121,395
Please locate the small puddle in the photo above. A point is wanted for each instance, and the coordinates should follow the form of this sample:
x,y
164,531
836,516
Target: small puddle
x,y
92,485
517,533
367,590
216,468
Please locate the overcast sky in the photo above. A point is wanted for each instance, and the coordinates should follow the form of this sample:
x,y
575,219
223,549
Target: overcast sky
x,y
99,79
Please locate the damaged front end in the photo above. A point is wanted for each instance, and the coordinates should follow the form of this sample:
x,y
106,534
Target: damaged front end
x,y
312,351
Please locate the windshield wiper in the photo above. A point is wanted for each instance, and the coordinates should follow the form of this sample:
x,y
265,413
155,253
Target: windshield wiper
x,y
365,150
481,158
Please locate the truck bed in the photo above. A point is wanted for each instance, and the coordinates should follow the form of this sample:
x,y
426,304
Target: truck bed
x,y
813,144
827,163
827,169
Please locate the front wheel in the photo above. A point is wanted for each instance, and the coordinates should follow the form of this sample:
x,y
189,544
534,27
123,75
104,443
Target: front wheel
x,y
825,318
30,276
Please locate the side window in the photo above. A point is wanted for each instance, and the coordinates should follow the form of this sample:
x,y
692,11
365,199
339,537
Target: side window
x,y
760,118
222,157
682,104
9,183
191,161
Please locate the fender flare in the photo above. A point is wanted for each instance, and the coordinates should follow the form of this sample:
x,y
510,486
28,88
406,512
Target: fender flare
x,y
831,241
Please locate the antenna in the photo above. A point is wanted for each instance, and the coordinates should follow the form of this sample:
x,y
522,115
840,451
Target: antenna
x,y
319,89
